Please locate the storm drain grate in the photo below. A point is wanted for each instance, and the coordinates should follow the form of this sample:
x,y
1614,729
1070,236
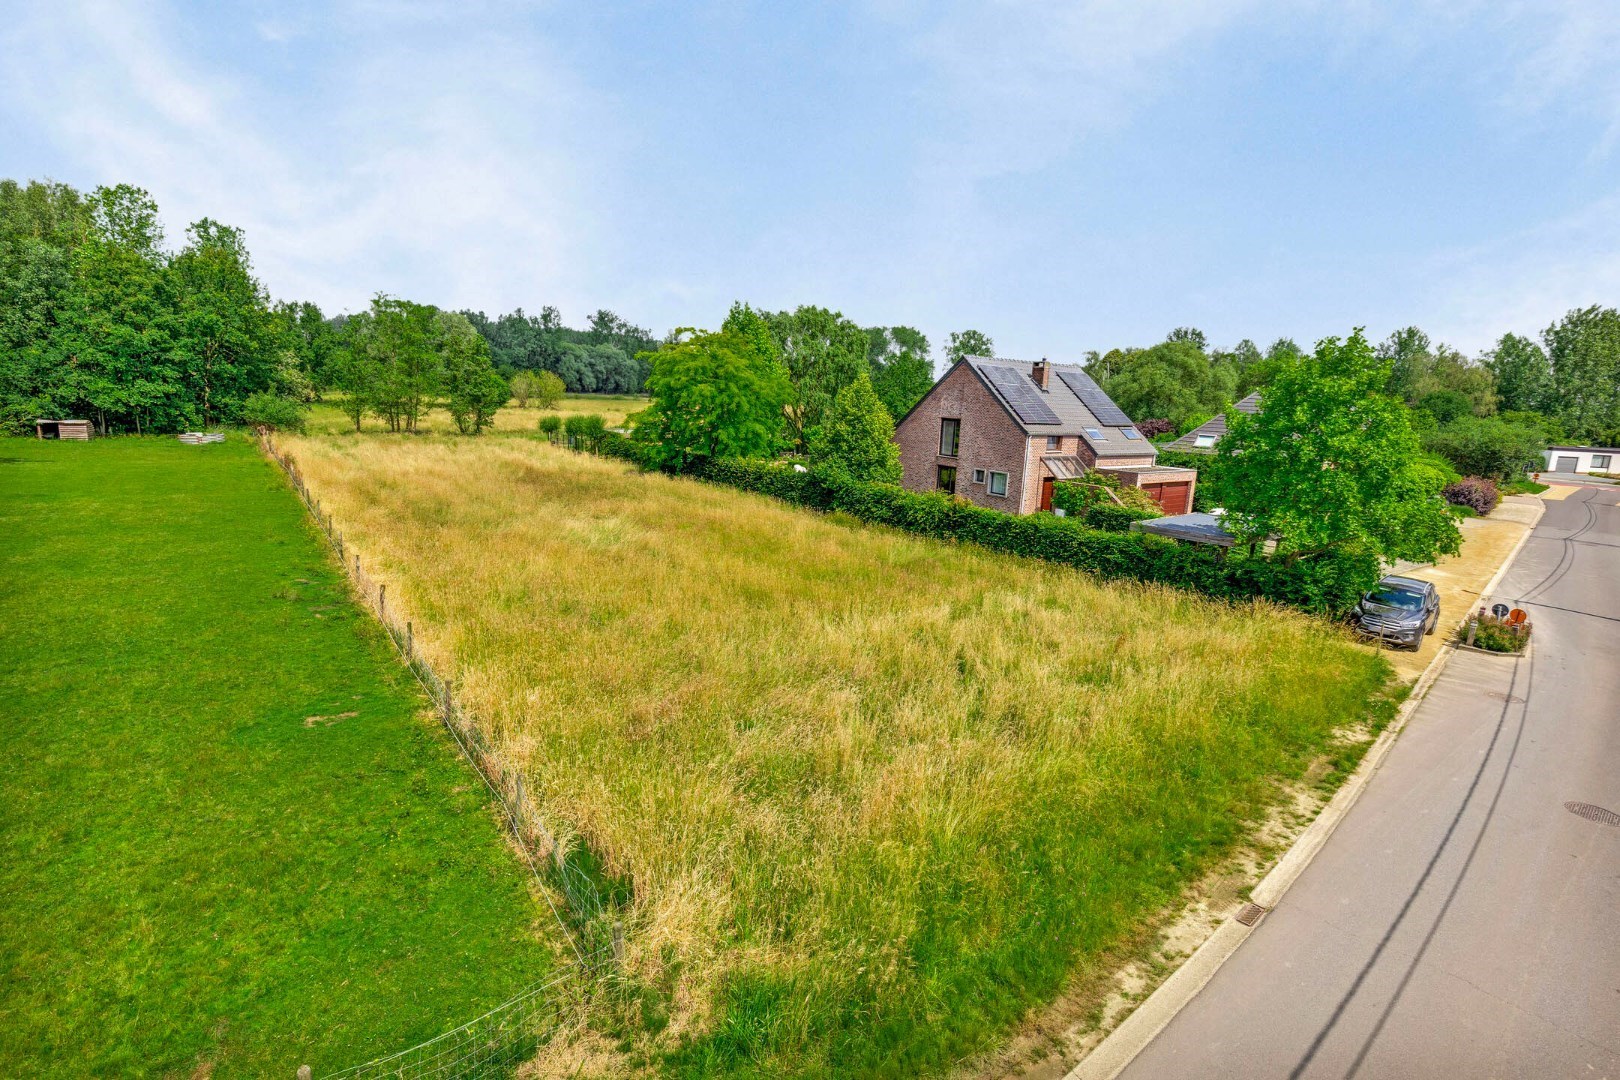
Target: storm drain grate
x,y
1250,914
1590,813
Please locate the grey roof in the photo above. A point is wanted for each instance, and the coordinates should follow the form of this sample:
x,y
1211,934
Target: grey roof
x,y
1199,528
1588,449
1215,426
1073,417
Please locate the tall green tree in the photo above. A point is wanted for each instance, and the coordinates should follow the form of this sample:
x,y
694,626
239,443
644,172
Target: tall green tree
x,y
714,395
1190,335
1406,351
1174,380
966,343
475,391
1584,350
823,353
114,354
1450,370
400,339
857,437
902,371
224,334
1331,462
356,367
1523,375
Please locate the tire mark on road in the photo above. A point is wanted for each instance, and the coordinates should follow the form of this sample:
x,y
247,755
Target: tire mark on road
x,y
1406,907
1479,837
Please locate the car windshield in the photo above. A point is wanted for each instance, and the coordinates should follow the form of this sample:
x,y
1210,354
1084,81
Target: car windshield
x,y
1400,598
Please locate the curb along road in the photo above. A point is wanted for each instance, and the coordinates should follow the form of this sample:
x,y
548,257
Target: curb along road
x,y
1120,1048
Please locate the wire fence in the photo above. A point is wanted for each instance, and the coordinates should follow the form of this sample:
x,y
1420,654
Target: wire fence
x,y
507,1035
491,1045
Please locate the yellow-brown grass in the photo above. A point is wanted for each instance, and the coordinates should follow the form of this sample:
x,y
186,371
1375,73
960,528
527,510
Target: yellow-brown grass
x,y
327,417
876,794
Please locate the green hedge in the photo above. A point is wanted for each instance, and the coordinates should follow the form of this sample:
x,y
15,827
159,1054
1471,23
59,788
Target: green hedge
x,y
1327,584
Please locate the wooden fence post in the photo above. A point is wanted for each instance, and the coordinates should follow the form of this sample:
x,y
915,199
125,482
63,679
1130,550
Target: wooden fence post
x,y
382,600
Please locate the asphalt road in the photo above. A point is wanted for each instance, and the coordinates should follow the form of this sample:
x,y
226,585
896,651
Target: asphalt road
x,y
1460,922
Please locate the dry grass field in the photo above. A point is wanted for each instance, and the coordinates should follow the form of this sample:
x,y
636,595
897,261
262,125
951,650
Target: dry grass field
x,y
877,796
327,418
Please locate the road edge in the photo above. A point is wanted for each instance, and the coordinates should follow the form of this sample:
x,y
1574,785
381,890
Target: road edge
x,y
1110,1057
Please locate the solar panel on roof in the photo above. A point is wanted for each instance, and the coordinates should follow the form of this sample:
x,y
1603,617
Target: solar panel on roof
x,y
1086,389
1021,394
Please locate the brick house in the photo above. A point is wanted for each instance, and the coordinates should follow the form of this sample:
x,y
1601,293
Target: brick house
x,y
1000,433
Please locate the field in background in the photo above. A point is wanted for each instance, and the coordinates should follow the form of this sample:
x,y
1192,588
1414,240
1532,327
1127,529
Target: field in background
x,y
229,836
327,417
877,796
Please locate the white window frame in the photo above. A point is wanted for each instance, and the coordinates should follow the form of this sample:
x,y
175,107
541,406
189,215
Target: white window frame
x,y
991,486
1603,458
1203,442
1096,435
978,476
1054,442
1131,433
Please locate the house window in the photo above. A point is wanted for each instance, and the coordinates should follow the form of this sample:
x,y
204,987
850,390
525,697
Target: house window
x,y
998,483
950,437
978,476
947,479
1053,442
1095,435
1600,462
1131,433
1203,442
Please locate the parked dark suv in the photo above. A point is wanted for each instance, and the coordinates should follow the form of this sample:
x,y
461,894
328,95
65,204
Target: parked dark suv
x,y
1399,610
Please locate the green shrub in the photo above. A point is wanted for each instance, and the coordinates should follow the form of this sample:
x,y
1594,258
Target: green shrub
x,y
551,427
1495,635
1488,447
1329,583
585,431
273,413
1118,518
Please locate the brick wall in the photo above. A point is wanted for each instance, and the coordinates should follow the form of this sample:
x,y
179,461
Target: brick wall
x,y
990,440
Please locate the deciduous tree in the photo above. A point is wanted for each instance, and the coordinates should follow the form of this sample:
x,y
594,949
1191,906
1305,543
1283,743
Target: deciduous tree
x,y
714,395
856,438
1331,461
965,343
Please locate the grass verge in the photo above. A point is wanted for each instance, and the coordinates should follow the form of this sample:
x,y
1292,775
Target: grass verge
x,y
877,796
230,840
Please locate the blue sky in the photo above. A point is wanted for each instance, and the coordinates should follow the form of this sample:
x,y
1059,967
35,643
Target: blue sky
x,y
1064,176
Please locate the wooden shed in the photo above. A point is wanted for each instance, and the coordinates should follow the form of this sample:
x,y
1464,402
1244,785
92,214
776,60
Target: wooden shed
x,y
62,429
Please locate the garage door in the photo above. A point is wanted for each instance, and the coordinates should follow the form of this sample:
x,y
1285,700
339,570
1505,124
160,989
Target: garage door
x,y
1568,464
1172,498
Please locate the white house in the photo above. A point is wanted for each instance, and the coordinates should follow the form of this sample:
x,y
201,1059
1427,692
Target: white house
x,y
1582,459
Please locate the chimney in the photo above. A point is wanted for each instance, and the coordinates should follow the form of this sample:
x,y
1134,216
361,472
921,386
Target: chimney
x,y
1040,373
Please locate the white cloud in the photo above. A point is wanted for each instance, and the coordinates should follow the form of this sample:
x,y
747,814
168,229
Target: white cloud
x,y
446,165
1524,282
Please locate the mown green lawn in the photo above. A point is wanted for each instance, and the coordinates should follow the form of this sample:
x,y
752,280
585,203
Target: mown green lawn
x,y
230,835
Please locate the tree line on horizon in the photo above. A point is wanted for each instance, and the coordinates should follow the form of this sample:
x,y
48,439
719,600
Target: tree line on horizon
x,y
98,318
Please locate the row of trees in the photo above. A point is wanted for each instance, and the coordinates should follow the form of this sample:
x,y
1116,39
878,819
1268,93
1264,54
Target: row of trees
x,y
395,359
603,358
1567,386
98,319
807,380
